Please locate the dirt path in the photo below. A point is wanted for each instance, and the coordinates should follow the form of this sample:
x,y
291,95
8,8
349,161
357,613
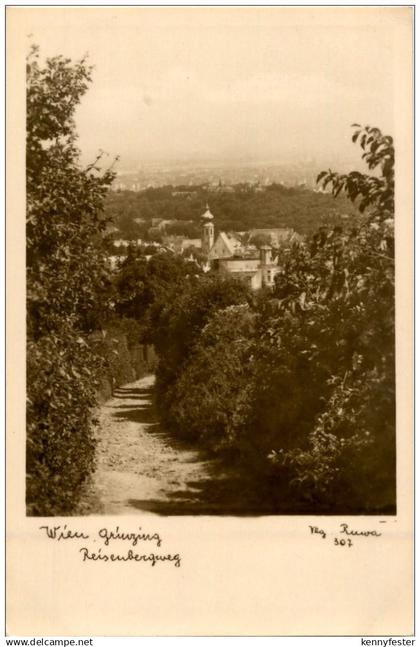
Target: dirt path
x,y
140,468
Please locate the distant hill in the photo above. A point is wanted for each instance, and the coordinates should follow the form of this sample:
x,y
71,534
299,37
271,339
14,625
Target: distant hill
x,y
241,209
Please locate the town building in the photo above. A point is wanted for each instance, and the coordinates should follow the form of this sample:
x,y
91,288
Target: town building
x,y
180,244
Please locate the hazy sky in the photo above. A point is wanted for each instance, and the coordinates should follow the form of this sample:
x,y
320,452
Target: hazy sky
x,y
259,83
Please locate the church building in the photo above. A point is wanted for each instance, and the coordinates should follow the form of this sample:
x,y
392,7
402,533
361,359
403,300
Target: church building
x,y
229,254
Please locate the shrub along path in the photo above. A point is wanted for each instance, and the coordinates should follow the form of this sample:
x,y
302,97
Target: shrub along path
x,y
143,469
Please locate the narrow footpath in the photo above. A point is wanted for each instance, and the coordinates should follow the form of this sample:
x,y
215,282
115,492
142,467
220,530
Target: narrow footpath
x,y
141,468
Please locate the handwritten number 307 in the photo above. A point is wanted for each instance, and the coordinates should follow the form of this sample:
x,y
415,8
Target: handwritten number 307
x,y
342,542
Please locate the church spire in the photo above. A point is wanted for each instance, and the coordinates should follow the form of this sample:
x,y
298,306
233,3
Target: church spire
x,y
207,236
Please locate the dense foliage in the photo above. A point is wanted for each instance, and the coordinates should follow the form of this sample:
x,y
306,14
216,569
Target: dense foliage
x,y
298,383
208,398
67,287
277,206
348,459
178,324
141,282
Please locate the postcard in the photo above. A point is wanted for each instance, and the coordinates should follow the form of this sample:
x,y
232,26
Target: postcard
x,y
209,317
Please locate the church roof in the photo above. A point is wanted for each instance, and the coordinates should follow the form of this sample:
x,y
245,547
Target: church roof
x,y
232,242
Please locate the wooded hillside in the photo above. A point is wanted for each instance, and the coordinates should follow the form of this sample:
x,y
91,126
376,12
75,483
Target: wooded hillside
x,y
275,206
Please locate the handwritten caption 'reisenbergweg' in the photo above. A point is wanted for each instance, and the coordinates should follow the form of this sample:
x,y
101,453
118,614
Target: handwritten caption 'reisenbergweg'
x,y
345,536
113,545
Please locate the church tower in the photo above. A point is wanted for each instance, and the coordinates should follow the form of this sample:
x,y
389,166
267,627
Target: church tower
x,y
207,236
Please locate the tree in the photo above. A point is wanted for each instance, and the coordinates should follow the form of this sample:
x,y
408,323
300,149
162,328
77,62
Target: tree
x,y
368,190
336,309
259,240
67,286
141,283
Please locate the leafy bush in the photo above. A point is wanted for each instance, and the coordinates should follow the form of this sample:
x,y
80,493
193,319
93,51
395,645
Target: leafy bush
x,y
124,358
208,398
117,369
67,287
61,377
178,323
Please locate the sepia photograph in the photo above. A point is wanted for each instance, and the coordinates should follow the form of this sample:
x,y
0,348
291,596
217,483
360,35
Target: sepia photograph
x,y
209,263
209,260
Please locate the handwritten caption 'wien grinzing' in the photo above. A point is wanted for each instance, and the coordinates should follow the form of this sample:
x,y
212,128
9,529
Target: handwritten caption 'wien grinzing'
x,y
114,545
